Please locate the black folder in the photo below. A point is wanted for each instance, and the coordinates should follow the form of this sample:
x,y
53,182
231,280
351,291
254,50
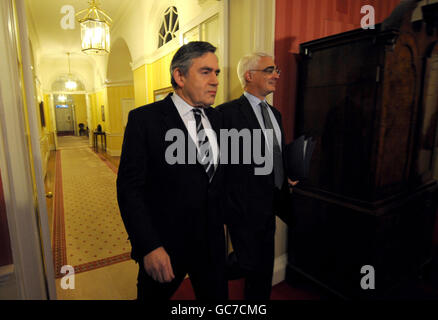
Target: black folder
x,y
298,157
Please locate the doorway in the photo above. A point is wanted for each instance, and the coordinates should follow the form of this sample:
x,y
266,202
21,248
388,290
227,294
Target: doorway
x,y
71,114
64,119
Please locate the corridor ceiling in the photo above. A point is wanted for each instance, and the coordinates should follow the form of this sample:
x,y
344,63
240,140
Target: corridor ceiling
x,y
46,15
50,42
134,38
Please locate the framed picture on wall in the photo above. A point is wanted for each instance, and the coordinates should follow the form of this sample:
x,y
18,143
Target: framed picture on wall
x,y
103,113
160,94
42,117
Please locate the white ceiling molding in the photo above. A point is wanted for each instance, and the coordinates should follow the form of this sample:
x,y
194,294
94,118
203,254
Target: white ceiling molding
x,y
109,84
67,92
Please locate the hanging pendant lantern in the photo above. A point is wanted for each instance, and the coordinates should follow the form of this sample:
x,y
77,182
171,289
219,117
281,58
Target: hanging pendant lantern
x,y
95,29
70,84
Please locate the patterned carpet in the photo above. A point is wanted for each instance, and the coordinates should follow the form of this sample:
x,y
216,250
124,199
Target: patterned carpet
x,y
88,229
72,142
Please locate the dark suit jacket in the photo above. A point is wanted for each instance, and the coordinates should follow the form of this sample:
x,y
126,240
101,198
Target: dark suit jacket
x,y
252,201
173,206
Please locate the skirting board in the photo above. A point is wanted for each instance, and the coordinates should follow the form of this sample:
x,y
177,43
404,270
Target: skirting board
x,y
114,153
280,264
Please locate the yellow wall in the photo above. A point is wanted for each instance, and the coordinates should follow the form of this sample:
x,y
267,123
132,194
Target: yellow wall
x,y
93,122
111,99
80,109
49,130
140,86
97,100
151,77
45,133
158,75
210,32
240,45
115,95
114,119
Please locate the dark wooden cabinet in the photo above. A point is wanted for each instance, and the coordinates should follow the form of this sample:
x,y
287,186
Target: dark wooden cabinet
x,y
370,99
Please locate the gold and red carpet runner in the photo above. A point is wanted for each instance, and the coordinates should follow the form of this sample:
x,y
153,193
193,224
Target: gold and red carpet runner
x,y
88,230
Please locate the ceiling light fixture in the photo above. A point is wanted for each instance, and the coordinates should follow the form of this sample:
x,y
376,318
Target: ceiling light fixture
x,y
70,84
95,29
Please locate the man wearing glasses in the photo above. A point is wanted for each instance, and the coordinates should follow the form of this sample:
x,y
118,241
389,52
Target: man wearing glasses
x,y
254,200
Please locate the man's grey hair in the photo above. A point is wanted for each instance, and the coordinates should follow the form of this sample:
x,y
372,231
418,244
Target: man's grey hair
x,y
247,63
184,56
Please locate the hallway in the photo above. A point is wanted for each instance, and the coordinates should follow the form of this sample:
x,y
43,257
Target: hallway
x,y
86,227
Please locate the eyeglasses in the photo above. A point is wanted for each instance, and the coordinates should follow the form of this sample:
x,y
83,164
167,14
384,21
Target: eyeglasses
x,y
270,70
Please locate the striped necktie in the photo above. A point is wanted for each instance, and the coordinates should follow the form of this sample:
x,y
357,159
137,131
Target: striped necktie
x,y
204,148
277,155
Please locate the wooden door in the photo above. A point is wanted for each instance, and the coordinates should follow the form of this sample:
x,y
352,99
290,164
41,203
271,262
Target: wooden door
x,y
64,118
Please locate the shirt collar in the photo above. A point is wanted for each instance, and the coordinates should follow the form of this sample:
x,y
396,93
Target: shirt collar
x,y
183,107
253,100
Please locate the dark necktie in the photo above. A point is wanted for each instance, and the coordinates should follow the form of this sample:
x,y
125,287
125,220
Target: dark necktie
x,y
206,153
277,155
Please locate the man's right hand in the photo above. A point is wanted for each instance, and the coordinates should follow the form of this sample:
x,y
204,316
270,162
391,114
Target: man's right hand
x,y
157,265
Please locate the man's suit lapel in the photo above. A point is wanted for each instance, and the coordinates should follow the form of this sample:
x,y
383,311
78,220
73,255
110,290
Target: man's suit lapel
x,y
248,112
171,116
214,120
251,118
173,120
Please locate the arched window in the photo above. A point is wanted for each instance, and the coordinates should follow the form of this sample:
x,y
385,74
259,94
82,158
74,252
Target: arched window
x,y
169,26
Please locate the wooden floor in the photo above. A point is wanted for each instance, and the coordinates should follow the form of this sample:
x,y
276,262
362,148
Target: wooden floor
x,y
49,182
114,160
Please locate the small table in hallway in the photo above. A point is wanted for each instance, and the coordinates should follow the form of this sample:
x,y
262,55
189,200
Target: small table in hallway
x,y
102,140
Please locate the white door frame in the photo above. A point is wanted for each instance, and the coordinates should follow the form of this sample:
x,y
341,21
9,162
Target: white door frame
x,y
28,223
45,240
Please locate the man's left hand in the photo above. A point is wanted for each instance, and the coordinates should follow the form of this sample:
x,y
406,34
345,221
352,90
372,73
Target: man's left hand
x,y
291,184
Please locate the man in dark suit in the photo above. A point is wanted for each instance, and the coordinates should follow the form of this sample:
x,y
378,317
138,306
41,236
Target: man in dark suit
x,y
168,203
254,199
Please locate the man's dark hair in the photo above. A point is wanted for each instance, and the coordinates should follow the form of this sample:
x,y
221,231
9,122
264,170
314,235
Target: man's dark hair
x,y
184,56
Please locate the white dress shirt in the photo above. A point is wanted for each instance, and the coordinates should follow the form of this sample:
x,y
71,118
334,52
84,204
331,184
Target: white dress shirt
x,y
254,102
186,114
